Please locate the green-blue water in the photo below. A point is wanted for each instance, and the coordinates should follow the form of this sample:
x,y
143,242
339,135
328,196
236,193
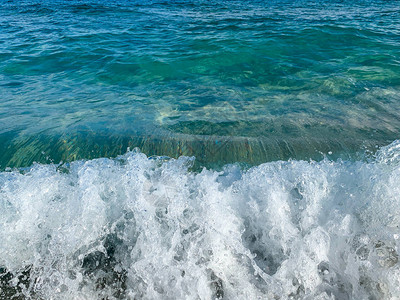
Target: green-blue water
x,y
224,81
292,107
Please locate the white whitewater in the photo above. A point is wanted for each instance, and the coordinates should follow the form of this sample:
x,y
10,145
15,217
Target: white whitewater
x,y
142,228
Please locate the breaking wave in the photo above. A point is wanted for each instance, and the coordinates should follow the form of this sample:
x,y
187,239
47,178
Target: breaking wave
x,y
139,227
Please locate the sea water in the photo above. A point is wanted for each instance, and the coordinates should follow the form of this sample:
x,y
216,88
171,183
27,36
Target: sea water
x,y
199,149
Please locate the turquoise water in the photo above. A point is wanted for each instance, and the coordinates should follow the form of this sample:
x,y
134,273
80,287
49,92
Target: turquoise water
x,y
223,81
199,149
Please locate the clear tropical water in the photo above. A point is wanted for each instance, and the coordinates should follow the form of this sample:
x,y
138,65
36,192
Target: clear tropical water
x,y
293,107
224,81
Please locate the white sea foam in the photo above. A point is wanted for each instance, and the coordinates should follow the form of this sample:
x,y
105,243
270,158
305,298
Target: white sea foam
x,y
140,228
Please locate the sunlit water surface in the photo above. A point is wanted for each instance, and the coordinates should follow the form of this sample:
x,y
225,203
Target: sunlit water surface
x,y
293,107
223,81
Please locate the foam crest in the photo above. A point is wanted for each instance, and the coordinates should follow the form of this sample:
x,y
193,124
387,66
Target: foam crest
x,y
148,228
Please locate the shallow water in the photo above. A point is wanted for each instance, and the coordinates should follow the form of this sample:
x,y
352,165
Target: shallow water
x,y
254,81
293,108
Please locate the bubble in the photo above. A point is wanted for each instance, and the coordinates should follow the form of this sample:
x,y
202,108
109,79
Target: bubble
x,y
134,227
